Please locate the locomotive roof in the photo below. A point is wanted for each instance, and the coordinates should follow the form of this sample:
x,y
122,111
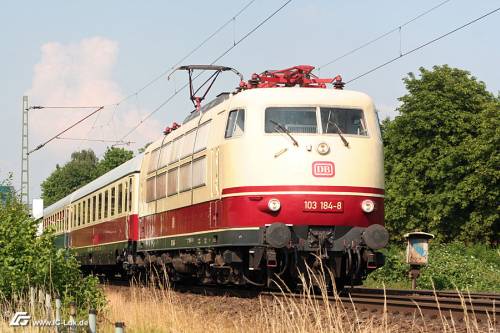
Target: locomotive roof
x,y
213,103
131,166
301,95
270,96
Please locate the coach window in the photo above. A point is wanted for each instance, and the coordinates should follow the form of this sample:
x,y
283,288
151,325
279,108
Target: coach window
x,y
150,189
185,177
172,181
164,154
174,152
345,121
94,204
161,185
66,219
235,123
113,200
106,203
99,206
73,223
202,137
78,213
188,144
120,198
153,160
83,212
130,194
199,172
88,210
125,207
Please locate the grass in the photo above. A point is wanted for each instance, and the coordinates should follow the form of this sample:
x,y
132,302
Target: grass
x,y
152,309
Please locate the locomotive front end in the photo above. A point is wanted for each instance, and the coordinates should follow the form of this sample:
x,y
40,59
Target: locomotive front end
x,y
308,173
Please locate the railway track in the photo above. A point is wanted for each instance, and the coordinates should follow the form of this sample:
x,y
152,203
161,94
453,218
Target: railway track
x,y
481,307
427,303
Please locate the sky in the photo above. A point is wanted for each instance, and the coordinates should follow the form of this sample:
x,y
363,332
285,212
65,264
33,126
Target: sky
x,y
92,53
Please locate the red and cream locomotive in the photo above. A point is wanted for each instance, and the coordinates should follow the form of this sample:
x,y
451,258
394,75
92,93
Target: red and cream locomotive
x,y
255,184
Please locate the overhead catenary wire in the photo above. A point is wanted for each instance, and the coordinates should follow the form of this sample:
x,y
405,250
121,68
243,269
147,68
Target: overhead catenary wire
x,y
398,28
40,146
39,107
424,45
148,84
196,48
213,62
96,140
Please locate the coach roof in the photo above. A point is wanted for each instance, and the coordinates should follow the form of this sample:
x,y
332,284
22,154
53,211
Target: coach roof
x,y
131,166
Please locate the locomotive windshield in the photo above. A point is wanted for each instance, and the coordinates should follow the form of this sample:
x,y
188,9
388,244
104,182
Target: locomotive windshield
x,y
294,119
345,121
304,120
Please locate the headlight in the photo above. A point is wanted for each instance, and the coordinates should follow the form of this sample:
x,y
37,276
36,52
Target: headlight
x,y
367,206
274,205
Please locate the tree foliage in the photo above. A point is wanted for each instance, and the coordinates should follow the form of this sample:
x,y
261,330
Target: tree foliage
x,y
113,158
442,158
82,168
30,261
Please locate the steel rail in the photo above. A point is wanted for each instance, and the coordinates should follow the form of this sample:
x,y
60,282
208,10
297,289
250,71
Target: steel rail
x,y
425,292
481,307
412,304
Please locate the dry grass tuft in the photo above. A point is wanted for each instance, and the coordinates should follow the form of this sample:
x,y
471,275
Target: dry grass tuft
x,y
150,309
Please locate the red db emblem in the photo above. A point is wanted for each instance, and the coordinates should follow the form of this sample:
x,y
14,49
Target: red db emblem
x,y
323,169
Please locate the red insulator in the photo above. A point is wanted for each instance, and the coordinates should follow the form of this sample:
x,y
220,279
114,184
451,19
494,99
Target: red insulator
x,y
337,82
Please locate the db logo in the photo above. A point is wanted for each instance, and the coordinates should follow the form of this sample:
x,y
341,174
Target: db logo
x,y
323,169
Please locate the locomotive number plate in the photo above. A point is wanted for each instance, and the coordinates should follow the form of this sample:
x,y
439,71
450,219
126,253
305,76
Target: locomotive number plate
x,y
325,206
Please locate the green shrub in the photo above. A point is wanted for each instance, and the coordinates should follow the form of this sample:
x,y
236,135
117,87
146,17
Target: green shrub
x,y
451,266
30,261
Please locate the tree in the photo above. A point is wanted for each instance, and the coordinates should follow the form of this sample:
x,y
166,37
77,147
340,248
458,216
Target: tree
x,y
31,261
441,158
113,158
81,169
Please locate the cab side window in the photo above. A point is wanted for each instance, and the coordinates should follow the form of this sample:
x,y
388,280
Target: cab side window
x,y
235,123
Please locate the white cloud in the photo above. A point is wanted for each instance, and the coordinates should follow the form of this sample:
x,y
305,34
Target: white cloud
x,y
81,74
76,74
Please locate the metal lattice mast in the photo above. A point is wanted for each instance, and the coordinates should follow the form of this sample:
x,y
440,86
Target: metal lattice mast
x,y
25,184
